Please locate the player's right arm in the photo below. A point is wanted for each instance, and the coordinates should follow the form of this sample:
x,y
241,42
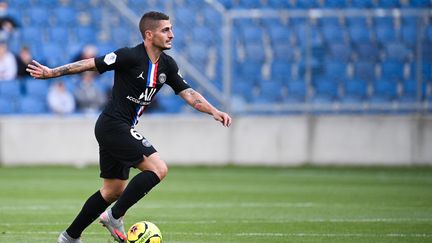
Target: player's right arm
x,y
40,71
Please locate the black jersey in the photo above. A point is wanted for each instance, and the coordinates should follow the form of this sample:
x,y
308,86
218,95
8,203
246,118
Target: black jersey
x,y
137,80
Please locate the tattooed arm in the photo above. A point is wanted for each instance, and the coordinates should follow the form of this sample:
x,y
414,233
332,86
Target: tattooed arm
x,y
197,101
40,71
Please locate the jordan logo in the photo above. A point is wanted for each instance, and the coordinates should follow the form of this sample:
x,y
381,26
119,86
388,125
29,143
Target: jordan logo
x,y
141,75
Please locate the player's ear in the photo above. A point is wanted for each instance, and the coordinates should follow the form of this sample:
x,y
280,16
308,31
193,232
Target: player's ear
x,y
148,34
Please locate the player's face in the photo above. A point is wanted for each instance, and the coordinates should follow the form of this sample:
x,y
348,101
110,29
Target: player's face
x,y
163,35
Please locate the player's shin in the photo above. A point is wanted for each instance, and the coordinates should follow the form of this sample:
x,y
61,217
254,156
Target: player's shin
x,y
137,188
93,207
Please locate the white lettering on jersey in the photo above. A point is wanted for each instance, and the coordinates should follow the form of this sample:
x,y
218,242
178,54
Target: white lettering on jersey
x,y
110,58
148,94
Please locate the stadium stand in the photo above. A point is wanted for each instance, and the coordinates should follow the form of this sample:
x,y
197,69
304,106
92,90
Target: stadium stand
x,y
351,55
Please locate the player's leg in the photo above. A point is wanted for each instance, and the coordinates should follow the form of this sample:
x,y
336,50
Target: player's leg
x,y
95,205
153,170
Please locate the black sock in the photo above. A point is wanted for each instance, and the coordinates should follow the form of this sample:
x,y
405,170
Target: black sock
x,y
93,207
137,188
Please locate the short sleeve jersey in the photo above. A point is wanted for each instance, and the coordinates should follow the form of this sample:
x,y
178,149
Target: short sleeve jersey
x,y
137,80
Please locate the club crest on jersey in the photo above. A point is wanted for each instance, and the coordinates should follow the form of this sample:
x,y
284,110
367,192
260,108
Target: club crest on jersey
x,y
110,58
162,78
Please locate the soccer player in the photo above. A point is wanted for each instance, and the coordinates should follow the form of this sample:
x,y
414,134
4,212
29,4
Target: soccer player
x,y
139,73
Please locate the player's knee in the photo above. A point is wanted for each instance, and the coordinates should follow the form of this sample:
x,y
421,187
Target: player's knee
x,y
111,194
161,170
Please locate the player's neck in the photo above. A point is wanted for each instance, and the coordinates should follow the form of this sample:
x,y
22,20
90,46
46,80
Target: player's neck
x,y
153,52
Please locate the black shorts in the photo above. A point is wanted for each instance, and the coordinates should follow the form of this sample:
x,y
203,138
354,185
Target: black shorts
x,y
120,147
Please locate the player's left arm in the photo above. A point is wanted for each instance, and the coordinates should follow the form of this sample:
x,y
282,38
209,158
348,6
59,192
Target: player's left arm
x,y
197,101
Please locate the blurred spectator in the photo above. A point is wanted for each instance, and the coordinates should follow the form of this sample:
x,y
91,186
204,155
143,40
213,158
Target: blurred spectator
x,y
7,23
8,64
90,98
88,51
60,100
23,58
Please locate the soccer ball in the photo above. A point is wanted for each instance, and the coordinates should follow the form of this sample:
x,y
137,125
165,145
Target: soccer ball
x,y
144,232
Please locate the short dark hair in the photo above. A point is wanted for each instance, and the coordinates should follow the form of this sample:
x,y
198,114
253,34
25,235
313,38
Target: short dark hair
x,y
149,21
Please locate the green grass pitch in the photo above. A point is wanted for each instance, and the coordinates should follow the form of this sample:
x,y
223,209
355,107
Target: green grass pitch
x,y
232,204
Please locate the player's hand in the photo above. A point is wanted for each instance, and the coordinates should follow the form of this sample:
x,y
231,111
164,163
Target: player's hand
x,y
223,117
39,71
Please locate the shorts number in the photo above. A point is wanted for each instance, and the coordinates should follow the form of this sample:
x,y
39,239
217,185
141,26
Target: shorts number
x,y
136,135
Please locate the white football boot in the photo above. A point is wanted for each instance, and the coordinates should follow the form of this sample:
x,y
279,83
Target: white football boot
x,y
114,226
65,238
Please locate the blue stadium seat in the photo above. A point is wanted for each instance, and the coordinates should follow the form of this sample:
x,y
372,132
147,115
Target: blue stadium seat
x,y
39,16
203,34
335,4
355,90
409,34
283,51
359,33
367,51
10,89
296,91
250,3
65,16
364,70
308,35
20,4
340,51
420,4
335,70
55,54
307,4
32,34
243,89
252,34
32,105
362,3
385,34
170,103
333,33
212,17
255,51
326,89
198,55
120,35
184,16
389,3
384,91
281,71
279,33
409,91
86,34
277,4
48,3
250,71
6,106
392,70
59,35
396,51
36,88
271,91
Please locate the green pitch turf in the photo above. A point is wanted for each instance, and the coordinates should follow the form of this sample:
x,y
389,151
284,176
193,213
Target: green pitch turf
x,y
232,204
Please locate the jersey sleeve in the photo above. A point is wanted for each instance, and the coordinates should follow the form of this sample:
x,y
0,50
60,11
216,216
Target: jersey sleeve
x,y
116,60
175,80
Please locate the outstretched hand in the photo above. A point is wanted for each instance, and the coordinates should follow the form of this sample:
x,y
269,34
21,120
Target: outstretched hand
x,y
39,71
223,117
